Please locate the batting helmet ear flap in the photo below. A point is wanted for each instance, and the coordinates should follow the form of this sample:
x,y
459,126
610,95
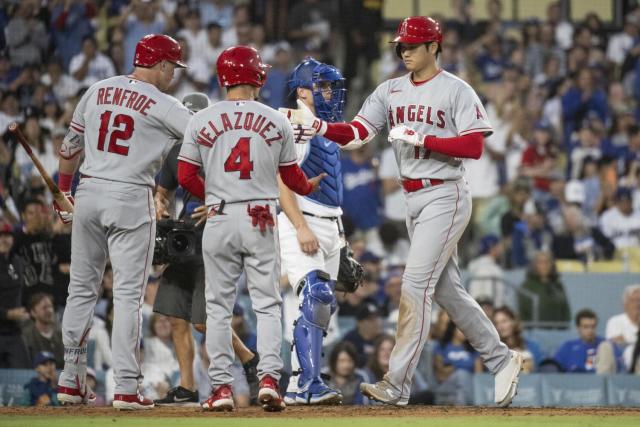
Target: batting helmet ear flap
x,y
398,51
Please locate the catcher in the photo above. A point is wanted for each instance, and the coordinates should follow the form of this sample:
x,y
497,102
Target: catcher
x,y
311,245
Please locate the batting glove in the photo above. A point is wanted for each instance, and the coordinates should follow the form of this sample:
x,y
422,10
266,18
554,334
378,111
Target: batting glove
x,y
303,116
65,217
406,135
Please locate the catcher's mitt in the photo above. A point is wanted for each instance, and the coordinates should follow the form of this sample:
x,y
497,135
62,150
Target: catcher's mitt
x,y
351,273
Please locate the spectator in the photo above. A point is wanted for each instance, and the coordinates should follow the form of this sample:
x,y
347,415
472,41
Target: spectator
x,y
585,354
454,363
159,365
91,65
9,110
582,98
579,241
194,34
239,33
219,12
42,333
378,363
392,292
361,193
587,145
92,384
308,24
485,273
63,85
8,73
100,334
621,43
344,375
623,328
368,328
620,223
70,25
194,78
543,281
45,255
42,388
350,304
539,160
509,328
26,36
274,92
563,29
139,19
13,353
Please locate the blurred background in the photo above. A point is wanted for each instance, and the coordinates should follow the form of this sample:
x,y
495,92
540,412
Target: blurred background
x,y
553,248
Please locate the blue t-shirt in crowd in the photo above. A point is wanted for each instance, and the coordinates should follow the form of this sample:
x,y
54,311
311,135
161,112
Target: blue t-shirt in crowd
x,y
457,356
41,393
361,200
579,356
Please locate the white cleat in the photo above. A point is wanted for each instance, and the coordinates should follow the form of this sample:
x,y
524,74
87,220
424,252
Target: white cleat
x,y
506,381
383,392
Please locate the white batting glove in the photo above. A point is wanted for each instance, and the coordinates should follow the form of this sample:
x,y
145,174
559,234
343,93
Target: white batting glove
x,y
303,116
65,216
406,135
302,134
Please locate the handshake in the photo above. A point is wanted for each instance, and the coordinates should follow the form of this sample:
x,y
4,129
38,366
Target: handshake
x,y
306,125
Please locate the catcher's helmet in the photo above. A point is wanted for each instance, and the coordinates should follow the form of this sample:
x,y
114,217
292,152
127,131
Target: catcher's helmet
x,y
241,65
154,48
417,29
320,78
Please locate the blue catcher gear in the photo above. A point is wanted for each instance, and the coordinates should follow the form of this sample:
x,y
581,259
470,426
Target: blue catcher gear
x,y
317,306
327,85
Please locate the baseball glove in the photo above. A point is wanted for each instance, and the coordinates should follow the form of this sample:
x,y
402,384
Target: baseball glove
x,y
351,273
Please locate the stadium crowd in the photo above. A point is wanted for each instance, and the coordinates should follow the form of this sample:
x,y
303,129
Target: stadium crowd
x,y
558,179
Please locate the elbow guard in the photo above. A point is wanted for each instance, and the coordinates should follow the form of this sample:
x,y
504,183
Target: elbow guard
x,y
72,145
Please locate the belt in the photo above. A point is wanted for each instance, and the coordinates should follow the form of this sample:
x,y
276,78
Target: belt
x,y
411,185
330,218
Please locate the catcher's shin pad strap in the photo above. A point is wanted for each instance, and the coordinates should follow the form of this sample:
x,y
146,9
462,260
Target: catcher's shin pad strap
x,y
350,274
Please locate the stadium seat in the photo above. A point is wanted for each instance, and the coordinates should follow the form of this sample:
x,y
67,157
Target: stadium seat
x,y
12,381
549,340
566,390
623,390
569,266
529,390
614,266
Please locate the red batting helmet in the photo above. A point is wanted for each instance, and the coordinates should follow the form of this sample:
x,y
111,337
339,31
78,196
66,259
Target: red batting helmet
x,y
418,29
154,48
241,65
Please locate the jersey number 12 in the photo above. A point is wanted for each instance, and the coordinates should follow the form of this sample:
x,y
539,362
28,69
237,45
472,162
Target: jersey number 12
x,y
120,133
239,159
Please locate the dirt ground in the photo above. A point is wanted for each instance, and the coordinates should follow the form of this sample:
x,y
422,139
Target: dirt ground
x,y
327,412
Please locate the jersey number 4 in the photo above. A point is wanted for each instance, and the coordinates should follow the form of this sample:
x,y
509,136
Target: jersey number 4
x,y
239,159
120,133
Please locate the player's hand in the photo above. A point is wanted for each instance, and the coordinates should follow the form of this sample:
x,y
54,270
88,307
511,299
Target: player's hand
x,y
200,213
307,240
315,181
303,116
406,135
65,216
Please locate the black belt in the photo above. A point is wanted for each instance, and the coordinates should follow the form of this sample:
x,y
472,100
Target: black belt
x,y
330,218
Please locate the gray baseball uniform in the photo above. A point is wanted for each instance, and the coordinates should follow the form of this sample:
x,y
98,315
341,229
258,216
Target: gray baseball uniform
x,y
240,144
127,126
444,106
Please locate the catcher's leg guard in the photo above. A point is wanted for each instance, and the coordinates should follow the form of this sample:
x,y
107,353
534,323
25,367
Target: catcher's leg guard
x,y
317,305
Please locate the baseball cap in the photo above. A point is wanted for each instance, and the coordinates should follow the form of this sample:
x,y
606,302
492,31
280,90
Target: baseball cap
x,y
367,310
369,256
43,357
487,242
623,193
543,125
195,101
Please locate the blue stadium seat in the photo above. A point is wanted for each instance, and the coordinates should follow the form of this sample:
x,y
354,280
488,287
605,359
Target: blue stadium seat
x,y
623,390
12,381
573,390
550,340
529,390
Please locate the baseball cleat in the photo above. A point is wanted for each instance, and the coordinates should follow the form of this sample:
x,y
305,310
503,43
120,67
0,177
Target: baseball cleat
x,y
383,392
290,398
251,374
269,395
318,393
506,381
73,396
131,402
220,400
179,396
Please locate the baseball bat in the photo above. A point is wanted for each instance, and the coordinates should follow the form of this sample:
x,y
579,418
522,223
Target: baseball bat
x,y
58,195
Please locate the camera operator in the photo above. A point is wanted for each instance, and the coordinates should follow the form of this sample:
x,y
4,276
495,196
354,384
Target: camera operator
x,y
181,291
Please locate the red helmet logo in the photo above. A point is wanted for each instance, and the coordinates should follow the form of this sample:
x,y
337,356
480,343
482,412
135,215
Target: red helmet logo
x,y
241,65
153,48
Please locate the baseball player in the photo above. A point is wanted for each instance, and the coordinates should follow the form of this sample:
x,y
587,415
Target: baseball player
x,y
242,145
181,292
435,120
123,125
309,231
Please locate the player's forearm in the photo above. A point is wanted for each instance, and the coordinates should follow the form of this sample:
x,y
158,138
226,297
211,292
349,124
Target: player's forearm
x,y
465,146
345,133
189,179
289,205
66,170
294,178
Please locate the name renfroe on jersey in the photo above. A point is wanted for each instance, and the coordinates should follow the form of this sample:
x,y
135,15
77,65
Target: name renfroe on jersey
x,y
444,106
128,126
